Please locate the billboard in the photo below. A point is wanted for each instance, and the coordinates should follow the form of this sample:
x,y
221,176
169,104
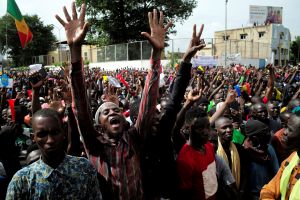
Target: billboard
x,y
265,15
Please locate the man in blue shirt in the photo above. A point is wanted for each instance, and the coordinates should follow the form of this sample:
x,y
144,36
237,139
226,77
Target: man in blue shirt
x,y
55,175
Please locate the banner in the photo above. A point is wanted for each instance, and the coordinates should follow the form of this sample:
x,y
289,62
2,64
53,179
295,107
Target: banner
x,y
232,58
9,84
265,15
204,61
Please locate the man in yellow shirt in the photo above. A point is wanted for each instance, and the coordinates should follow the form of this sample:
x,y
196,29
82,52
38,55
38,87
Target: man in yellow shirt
x,y
286,183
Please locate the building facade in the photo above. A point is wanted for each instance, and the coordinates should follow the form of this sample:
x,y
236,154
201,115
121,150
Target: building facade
x,y
269,43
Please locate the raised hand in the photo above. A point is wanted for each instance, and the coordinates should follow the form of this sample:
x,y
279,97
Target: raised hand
x,y
158,30
76,30
195,45
37,85
194,95
230,96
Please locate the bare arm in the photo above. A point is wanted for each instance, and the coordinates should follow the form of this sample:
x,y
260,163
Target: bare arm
x,y
35,102
216,91
270,89
229,99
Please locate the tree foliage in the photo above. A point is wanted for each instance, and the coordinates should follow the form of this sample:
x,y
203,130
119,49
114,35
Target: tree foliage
x,y
41,43
295,49
122,21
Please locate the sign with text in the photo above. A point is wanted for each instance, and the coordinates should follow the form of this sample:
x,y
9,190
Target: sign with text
x,y
265,15
204,61
232,58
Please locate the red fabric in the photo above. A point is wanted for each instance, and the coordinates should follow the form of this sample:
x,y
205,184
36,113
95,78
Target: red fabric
x,y
120,77
11,103
29,92
126,113
190,166
265,100
248,88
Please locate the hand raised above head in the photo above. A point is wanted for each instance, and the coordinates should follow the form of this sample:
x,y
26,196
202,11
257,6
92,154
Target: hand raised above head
x,y
195,45
75,28
194,95
158,30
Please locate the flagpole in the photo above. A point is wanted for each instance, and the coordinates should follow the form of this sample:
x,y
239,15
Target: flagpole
x,y
6,47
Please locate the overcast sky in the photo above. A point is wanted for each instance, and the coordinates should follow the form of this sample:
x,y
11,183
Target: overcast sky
x,y
209,12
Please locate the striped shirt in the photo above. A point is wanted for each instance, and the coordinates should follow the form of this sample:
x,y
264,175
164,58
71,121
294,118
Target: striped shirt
x,y
118,164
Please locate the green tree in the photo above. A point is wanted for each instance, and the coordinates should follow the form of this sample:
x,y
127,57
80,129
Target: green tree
x,y
41,43
122,21
295,49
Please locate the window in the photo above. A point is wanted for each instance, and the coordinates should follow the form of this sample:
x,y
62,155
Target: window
x,y
227,37
52,59
261,34
243,36
85,56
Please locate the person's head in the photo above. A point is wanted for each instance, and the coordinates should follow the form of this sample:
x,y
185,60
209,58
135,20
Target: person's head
x,y
219,97
8,116
93,94
48,132
111,119
4,116
293,104
94,106
255,100
163,103
258,134
224,129
292,132
197,126
284,117
203,104
273,109
259,112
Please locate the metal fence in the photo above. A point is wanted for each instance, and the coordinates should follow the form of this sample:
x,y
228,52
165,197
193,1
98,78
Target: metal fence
x,y
141,50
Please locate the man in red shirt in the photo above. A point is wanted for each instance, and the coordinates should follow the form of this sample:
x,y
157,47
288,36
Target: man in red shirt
x,y
196,165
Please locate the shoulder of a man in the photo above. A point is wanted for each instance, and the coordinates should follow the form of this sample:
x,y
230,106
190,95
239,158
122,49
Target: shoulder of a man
x,y
81,163
20,179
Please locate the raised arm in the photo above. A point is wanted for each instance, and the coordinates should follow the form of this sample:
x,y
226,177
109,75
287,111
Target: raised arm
x,y
150,93
76,29
35,102
270,89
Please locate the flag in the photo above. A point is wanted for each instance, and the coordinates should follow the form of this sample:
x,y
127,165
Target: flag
x,y
122,80
24,32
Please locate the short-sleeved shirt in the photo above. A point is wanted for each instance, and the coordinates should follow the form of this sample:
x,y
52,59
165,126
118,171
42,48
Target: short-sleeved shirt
x,y
74,178
197,171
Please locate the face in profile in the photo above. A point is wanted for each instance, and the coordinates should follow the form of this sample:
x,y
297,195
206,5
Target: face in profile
x,y
291,133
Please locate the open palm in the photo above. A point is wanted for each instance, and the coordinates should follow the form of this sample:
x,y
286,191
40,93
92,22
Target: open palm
x,y
76,28
158,30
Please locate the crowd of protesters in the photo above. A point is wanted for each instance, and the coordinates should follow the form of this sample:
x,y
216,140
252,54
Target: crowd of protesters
x,y
186,133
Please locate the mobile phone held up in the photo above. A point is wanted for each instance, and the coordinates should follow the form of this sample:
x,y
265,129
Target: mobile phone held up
x,y
36,73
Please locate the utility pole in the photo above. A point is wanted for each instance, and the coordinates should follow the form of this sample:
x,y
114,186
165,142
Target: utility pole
x,y
226,1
